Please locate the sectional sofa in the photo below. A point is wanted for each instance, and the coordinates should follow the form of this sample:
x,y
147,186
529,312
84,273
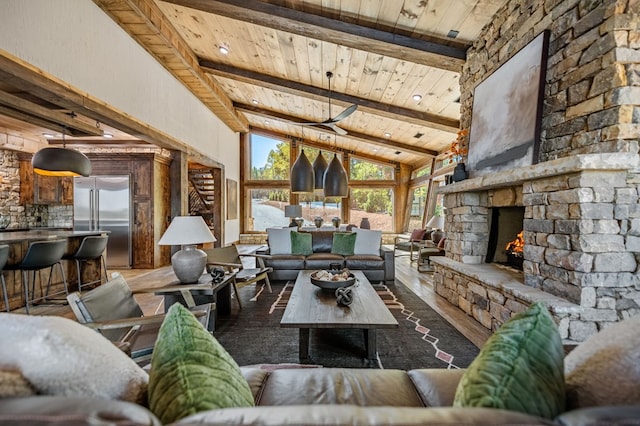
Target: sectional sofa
x,y
376,261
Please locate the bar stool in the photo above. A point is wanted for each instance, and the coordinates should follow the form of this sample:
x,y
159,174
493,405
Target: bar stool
x,y
41,255
91,248
4,255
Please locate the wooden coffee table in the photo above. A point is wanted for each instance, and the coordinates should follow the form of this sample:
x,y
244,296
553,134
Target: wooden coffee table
x,y
311,307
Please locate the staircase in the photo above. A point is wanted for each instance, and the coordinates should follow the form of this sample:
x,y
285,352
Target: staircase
x,y
202,194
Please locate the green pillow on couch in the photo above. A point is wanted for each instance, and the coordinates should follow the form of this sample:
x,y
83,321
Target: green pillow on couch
x,y
343,243
520,368
191,372
301,243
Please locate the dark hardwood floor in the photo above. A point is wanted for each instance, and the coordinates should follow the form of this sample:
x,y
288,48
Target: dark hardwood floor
x,y
421,283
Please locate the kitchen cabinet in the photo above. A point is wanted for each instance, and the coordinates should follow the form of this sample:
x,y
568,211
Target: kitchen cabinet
x,y
38,189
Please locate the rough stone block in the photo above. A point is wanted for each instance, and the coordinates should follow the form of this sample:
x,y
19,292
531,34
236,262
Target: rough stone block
x,y
614,262
598,243
626,195
538,212
576,195
585,108
563,290
604,44
611,280
574,226
556,183
515,306
622,96
591,211
499,312
557,211
579,331
606,226
608,303
592,314
534,199
563,328
633,244
603,194
495,297
534,225
588,297
502,197
464,305
570,260
483,317
477,289
561,242
534,253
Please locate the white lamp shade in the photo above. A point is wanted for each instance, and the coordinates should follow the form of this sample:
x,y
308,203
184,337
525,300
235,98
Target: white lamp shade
x,y
436,222
187,230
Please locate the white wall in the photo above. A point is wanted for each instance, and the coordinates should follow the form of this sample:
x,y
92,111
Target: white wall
x,y
74,40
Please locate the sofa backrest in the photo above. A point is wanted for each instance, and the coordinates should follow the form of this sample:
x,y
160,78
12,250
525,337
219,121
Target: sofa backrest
x,y
321,241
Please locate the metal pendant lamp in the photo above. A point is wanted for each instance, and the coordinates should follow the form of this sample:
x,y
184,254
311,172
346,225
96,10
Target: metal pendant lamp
x,y
335,179
54,161
302,176
319,167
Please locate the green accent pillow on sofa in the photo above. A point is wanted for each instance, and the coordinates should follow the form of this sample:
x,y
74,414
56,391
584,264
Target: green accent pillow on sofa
x,y
343,243
519,368
301,243
191,372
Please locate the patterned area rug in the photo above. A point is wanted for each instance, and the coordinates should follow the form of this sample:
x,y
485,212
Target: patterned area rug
x,y
422,340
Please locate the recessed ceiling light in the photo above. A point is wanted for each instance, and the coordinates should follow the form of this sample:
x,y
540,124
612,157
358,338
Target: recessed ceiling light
x,y
398,152
48,135
387,134
254,101
224,50
417,97
453,33
266,121
375,150
107,135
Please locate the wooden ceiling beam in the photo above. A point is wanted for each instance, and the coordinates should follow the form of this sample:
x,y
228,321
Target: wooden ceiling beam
x,y
24,109
348,34
360,137
299,89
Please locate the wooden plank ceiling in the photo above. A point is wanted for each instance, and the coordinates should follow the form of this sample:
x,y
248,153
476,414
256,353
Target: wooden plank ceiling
x,y
381,54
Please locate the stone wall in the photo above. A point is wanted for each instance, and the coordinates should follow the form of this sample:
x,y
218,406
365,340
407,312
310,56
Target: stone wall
x,y
10,187
582,221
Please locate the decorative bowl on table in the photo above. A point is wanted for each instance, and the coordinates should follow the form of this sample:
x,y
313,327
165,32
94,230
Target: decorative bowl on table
x,y
332,280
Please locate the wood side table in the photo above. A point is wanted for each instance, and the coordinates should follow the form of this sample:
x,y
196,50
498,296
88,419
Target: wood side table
x,y
200,293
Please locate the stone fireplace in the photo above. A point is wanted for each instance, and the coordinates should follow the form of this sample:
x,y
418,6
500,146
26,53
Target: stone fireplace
x,y
581,228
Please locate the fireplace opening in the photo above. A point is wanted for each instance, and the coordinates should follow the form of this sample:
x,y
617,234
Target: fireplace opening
x,y
505,236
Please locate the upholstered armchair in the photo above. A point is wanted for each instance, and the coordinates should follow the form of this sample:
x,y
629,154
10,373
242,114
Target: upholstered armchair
x,y
410,244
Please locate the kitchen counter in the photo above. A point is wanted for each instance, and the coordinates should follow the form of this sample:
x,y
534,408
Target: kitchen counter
x,y
36,234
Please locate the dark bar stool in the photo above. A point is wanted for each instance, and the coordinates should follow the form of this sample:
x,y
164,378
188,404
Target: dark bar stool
x,y
41,255
91,248
4,255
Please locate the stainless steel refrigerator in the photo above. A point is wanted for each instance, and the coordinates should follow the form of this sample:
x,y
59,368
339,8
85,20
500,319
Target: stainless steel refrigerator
x,y
104,203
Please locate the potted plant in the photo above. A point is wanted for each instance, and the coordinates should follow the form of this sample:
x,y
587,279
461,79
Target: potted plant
x,y
458,151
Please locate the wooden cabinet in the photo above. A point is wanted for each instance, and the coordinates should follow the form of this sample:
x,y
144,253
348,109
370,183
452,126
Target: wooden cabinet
x,y
38,189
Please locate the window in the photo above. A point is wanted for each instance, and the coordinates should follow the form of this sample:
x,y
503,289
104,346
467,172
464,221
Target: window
x,y
366,170
269,158
267,209
418,202
424,171
374,204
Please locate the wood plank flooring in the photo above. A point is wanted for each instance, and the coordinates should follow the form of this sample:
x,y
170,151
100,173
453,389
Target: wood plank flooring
x,y
421,283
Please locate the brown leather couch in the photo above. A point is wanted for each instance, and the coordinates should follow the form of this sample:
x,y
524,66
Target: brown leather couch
x,y
286,266
316,396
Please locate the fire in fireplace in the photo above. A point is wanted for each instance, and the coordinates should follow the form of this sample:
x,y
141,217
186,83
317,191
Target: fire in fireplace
x,y
515,251
505,223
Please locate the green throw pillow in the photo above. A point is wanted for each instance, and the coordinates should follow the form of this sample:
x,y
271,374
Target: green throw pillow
x,y
520,368
301,243
343,243
191,372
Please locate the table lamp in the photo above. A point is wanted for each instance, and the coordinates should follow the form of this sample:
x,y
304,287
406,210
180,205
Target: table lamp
x,y
187,231
293,211
436,223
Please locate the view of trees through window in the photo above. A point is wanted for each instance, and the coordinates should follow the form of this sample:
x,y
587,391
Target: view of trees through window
x,y
374,204
366,170
269,158
418,201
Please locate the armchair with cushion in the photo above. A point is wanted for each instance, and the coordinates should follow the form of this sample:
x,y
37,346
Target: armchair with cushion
x,y
426,252
112,310
410,243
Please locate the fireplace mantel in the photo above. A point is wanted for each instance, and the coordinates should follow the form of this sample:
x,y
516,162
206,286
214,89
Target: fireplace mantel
x,y
560,166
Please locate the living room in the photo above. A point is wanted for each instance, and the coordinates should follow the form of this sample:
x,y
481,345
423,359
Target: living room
x,y
573,182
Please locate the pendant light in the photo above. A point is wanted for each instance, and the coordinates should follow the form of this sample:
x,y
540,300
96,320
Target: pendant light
x,y
302,177
319,167
335,179
54,161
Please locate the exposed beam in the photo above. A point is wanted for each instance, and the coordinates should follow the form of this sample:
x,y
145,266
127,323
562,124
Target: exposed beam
x,y
146,24
364,105
318,27
324,147
361,137
23,108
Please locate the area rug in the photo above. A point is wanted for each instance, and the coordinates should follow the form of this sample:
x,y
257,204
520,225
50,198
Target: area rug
x,y
422,340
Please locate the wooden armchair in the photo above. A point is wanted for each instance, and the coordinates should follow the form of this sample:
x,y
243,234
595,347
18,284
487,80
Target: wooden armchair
x,y
229,259
112,310
411,243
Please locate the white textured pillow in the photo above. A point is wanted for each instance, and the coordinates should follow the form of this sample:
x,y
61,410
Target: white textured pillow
x,y
279,240
367,241
61,357
605,369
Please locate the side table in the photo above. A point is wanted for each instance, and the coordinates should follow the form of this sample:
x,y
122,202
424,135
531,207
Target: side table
x,y
203,292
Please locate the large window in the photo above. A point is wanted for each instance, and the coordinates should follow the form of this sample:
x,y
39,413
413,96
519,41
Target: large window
x,y
374,204
269,158
418,203
267,209
366,170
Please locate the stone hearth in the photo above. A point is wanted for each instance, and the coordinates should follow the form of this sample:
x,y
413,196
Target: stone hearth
x,y
582,243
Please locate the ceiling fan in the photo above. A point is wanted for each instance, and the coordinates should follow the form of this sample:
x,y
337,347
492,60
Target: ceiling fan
x,y
331,122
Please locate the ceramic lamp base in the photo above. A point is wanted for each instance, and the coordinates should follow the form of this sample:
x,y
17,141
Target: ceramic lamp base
x,y
188,264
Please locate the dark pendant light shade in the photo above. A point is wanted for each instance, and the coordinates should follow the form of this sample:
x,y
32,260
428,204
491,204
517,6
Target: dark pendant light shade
x,y
335,179
302,177
319,167
53,161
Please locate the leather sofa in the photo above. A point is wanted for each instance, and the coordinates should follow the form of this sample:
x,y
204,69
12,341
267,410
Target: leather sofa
x,y
316,396
286,266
